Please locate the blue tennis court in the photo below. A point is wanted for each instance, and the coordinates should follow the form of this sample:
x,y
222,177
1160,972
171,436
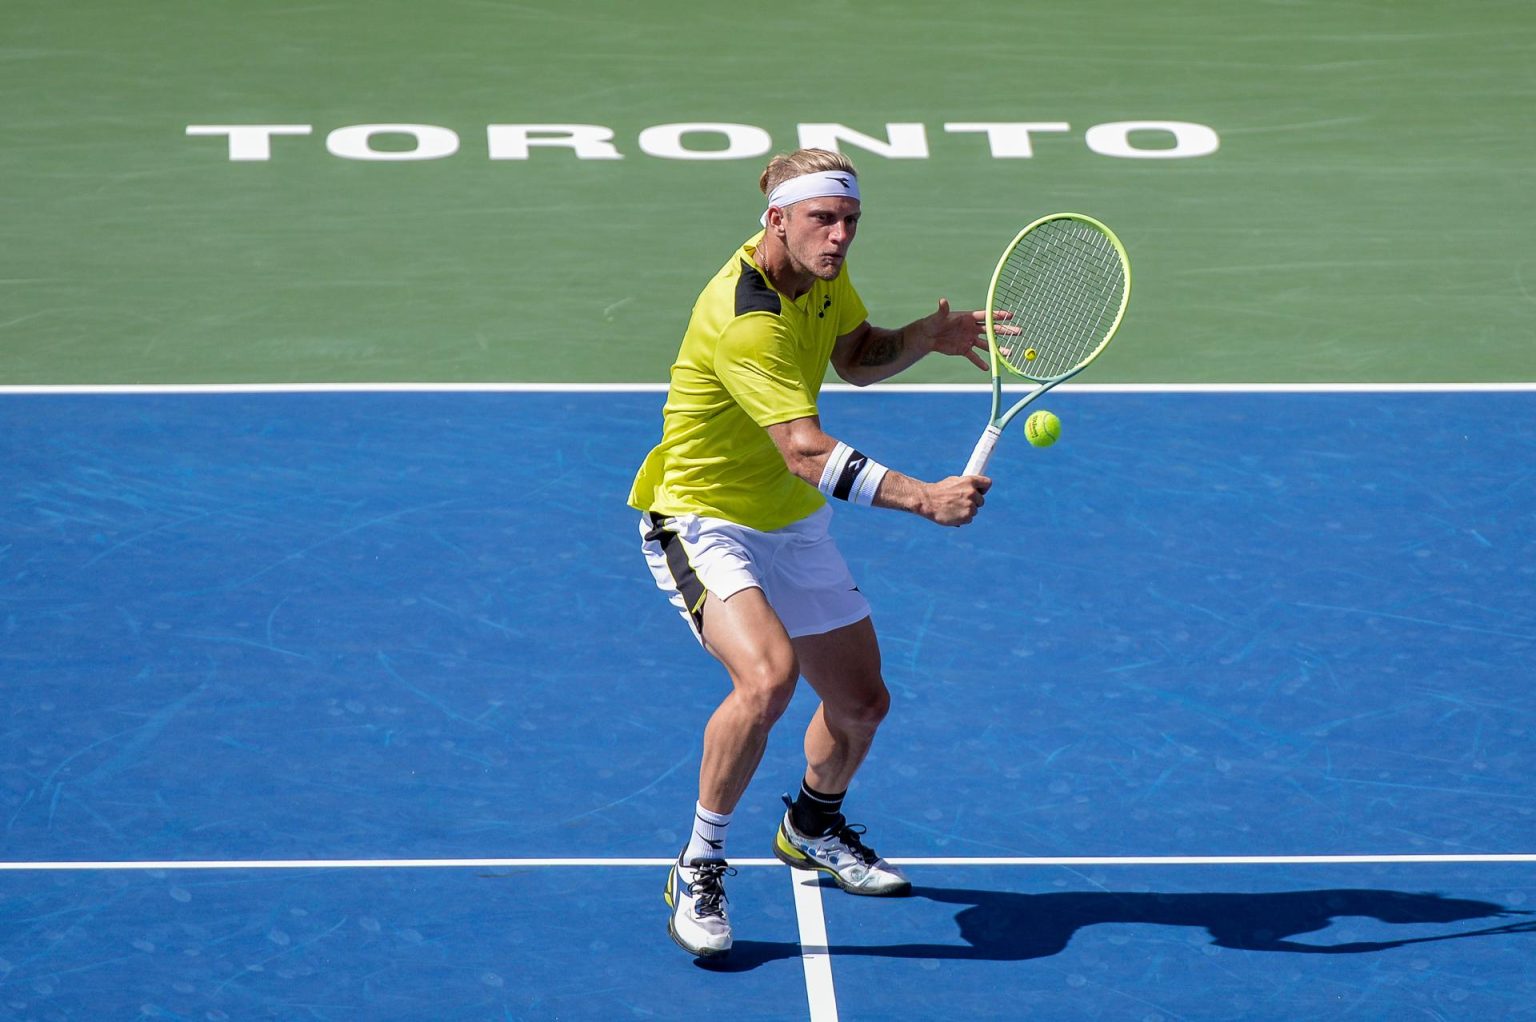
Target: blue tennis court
x,y
341,705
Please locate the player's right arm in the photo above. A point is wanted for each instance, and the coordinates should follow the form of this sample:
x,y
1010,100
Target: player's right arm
x,y
807,449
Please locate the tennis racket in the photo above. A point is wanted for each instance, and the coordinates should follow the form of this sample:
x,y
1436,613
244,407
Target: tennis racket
x,y
1056,299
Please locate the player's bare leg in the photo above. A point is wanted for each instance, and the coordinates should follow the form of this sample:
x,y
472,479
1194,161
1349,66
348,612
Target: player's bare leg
x,y
745,635
843,666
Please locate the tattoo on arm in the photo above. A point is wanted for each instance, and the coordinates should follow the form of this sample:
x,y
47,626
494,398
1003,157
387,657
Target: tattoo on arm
x,y
881,349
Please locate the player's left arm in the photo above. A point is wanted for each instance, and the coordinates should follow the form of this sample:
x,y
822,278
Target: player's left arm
x,y
868,354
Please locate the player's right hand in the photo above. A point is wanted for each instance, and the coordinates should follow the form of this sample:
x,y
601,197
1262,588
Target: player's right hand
x,y
955,501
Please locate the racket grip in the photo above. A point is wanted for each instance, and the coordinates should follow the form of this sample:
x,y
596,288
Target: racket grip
x,y
983,451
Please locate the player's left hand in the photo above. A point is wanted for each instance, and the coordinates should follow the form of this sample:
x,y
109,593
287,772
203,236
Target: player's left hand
x,y
958,333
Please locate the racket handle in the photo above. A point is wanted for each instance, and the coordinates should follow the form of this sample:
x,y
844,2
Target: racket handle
x,y
983,452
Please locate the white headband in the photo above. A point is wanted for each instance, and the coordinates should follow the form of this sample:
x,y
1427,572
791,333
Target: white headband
x,y
812,186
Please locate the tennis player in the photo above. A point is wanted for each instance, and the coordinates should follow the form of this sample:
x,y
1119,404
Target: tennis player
x,y
735,515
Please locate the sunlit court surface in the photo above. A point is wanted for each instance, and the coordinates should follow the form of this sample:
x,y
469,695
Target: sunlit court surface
x,y
335,687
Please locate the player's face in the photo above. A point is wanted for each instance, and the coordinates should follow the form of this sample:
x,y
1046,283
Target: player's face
x,y
817,233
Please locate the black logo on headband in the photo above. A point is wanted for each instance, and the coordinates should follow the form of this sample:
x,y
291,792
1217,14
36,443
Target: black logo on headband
x,y
842,181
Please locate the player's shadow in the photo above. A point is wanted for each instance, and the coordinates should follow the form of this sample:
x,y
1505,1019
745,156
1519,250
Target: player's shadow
x,y
1007,927
1002,926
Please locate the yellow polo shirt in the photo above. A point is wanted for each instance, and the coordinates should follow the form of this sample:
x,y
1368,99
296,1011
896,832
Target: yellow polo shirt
x,y
751,357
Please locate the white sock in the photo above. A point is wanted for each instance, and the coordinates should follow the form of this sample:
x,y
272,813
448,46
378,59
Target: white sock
x,y
708,841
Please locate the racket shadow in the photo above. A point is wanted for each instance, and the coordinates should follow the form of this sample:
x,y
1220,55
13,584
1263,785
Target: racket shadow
x,y
1005,926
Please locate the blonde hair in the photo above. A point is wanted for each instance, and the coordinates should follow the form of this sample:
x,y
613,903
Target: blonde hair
x,y
800,162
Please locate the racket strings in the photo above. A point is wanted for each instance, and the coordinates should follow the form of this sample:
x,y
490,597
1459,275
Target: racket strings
x,y
1058,290
1063,286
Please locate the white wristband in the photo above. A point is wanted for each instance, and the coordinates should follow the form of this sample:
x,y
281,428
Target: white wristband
x,y
851,476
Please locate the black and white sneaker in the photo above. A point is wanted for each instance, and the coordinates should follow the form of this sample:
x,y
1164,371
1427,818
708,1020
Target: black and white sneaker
x,y
841,855
696,894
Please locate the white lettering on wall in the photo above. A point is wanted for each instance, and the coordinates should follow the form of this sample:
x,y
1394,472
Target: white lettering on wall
x,y
587,141
711,140
1189,140
248,141
901,142
355,142
742,141
1009,140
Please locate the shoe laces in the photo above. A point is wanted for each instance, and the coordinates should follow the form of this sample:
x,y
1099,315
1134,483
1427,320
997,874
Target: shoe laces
x,y
848,834
708,887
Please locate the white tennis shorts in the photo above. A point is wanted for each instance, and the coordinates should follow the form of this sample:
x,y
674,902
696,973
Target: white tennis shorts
x,y
798,568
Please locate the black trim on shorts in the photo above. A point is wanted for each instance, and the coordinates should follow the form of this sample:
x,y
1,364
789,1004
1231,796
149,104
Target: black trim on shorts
x,y
683,576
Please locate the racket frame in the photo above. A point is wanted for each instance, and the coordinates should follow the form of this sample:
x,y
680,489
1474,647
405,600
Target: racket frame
x,y
1000,420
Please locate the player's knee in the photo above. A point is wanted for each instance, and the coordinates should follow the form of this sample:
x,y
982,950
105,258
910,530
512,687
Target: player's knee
x,y
880,704
865,711
876,707
767,684
768,705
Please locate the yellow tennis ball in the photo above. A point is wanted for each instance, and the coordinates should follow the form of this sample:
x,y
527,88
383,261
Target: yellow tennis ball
x,y
1042,428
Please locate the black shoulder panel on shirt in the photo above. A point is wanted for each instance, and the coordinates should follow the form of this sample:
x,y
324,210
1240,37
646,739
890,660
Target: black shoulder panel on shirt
x,y
753,293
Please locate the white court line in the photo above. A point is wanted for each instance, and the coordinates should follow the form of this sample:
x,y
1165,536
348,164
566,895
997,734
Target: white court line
x,y
158,864
1220,860
502,863
815,955
661,387
815,950
335,388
